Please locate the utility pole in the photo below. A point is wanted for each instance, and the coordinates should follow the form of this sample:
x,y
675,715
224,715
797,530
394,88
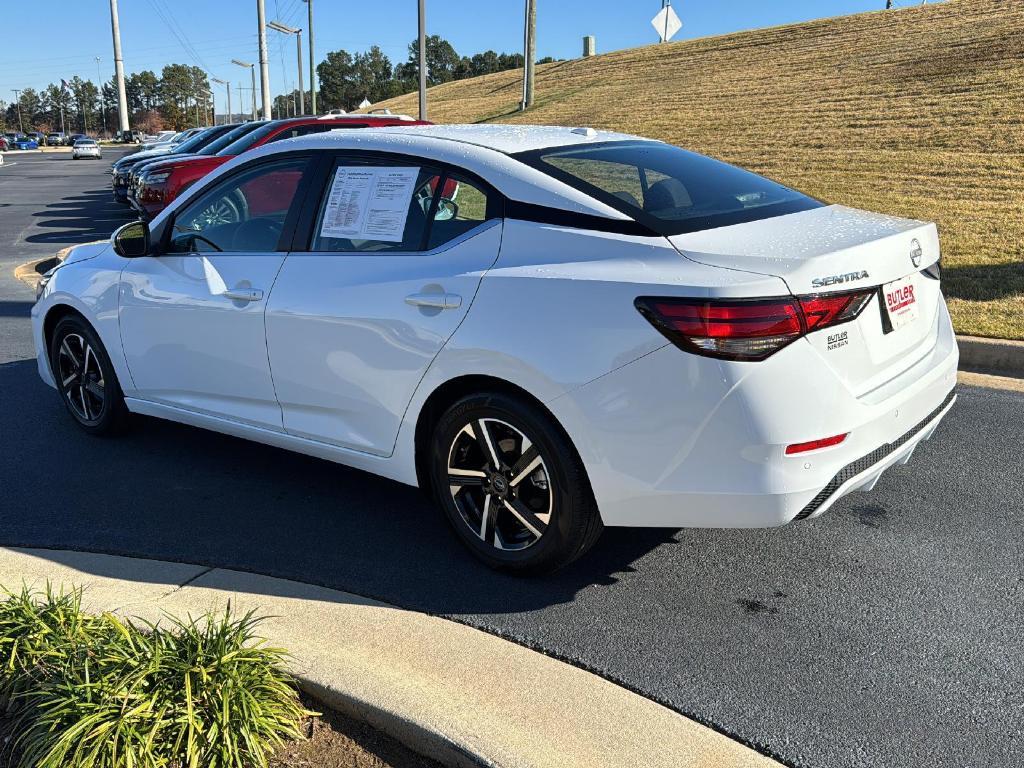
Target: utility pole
x,y
531,50
423,58
103,100
261,18
312,70
279,27
122,99
17,100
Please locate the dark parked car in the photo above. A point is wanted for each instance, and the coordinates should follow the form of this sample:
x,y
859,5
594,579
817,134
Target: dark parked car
x,y
37,137
75,137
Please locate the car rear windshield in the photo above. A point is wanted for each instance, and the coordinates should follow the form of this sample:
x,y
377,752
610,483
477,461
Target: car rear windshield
x,y
235,133
668,189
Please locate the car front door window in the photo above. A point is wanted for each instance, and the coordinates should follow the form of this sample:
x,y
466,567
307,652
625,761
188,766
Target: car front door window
x,y
246,213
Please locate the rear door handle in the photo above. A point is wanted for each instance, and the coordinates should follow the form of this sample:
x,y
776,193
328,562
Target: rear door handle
x,y
434,300
243,294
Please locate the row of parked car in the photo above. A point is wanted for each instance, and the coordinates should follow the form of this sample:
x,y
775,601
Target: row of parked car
x,y
11,140
151,178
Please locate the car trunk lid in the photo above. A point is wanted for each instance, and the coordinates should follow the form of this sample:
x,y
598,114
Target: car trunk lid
x,y
834,249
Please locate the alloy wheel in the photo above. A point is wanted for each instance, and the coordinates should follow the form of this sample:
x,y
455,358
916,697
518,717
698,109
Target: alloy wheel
x,y
221,212
500,484
81,377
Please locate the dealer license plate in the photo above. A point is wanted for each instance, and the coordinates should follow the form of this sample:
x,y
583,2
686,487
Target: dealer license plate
x,y
900,302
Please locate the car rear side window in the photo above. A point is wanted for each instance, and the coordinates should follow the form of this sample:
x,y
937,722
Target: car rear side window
x,y
666,188
461,206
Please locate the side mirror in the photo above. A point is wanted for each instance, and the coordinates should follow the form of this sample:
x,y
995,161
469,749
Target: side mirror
x,y
132,240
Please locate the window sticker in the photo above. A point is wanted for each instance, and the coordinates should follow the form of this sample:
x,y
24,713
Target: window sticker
x,y
369,203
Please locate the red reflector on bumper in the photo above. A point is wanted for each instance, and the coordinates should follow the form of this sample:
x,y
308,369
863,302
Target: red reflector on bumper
x,y
814,445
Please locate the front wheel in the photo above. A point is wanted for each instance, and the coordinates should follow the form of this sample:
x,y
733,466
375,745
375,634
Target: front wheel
x,y
511,485
85,378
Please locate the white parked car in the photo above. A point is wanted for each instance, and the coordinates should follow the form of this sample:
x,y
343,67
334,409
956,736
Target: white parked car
x,y
550,329
85,148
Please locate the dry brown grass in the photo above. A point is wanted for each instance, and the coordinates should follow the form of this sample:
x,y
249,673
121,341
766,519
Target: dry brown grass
x,y
917,112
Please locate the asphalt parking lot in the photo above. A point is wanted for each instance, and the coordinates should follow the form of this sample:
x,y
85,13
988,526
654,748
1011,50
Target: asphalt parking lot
x,y
886,633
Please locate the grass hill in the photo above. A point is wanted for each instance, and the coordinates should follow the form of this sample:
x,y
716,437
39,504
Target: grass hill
x,y
916,112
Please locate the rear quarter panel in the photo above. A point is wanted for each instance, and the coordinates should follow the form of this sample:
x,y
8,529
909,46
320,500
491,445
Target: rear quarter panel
x,y
556,312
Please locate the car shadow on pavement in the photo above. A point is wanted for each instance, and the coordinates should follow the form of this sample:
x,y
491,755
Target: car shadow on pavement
x,y
80,218
176,493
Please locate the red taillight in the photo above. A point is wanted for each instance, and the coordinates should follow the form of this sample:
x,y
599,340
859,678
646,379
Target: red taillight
x,y
831,309
813,445
748,329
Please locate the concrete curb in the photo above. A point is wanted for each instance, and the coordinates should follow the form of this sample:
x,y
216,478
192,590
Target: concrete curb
x,y
999,356
30,272
1002,357
453,693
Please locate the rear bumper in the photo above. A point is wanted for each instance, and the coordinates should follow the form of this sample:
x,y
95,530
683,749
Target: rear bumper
x,y
865,472
677,440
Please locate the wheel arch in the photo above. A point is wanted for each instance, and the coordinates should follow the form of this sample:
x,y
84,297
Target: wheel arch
x,y
447,394
54,315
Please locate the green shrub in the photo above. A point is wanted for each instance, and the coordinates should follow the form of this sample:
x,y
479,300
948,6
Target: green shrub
x,y
37,631
99,692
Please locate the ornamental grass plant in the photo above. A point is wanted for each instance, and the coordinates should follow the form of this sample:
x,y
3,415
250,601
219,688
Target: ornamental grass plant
x,y
81,690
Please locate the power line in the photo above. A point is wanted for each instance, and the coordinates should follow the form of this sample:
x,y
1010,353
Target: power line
x,y
180,37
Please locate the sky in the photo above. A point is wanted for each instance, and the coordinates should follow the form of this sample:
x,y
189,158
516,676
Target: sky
x,y
43,42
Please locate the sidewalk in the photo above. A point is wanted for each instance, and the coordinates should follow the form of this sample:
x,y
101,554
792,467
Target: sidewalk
x,y
451,692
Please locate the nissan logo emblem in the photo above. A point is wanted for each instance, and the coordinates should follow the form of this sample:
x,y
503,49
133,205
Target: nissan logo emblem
x,y
916,252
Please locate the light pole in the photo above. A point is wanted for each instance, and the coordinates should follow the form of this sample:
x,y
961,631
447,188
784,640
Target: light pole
x,y
252,71
312,70
122,99
17,100
423,58
227,87
279,27
261,19
103,102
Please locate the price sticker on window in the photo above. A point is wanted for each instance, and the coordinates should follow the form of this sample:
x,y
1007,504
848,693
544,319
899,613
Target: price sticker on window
x,y
369,203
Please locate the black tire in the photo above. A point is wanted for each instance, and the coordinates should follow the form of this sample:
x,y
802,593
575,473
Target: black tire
x,y
93,397
508,540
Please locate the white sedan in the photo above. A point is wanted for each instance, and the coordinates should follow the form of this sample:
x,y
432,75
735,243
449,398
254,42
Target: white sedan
x,y
551,330
85,148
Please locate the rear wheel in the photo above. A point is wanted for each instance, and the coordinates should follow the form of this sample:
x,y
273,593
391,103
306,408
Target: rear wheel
x,y
85,378
511,485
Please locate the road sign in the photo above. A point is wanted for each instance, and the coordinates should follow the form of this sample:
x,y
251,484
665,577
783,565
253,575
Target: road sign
x,y
666,23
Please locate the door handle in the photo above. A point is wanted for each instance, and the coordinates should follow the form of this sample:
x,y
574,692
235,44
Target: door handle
x,y
434,300
243,294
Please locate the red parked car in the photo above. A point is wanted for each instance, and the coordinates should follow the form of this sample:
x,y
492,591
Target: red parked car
x,y
162,182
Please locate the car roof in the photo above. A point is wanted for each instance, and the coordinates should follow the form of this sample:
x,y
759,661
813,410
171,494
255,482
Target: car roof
x,y
510,139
